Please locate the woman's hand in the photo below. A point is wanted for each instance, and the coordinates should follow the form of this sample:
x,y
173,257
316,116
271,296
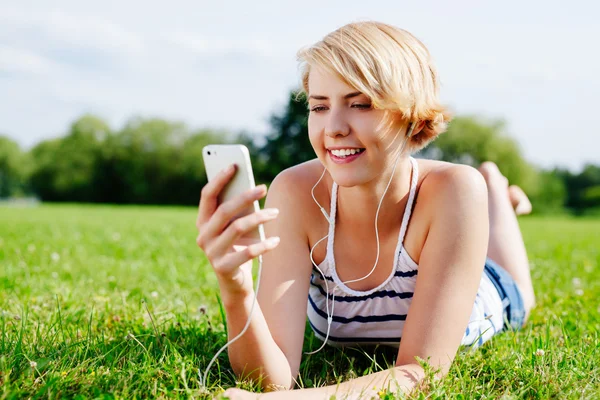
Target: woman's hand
x,y
229,253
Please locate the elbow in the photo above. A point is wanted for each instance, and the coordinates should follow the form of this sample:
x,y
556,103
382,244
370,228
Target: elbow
x,y
268,382
416,373
412,372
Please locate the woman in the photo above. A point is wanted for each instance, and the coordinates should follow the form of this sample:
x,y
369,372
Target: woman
x,y
406,246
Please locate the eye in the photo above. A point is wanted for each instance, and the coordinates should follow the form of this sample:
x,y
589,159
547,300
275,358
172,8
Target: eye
x,y
362,106
318,108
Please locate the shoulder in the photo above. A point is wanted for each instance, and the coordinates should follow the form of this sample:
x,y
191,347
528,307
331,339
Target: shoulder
x,y
297,181
447,186
292,189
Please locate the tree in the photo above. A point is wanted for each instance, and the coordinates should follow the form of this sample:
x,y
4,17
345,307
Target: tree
x,y
13,168
582,188
472,140
288,142
550,194
153,161
144,155
148,161
64,169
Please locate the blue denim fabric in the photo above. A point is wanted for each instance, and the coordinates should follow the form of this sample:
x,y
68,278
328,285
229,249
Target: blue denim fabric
x,y
510,294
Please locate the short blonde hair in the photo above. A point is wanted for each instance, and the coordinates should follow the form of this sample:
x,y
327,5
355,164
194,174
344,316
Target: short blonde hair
x,y
387,64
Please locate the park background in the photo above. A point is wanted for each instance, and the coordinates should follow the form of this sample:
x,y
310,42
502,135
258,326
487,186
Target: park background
x,y
104,110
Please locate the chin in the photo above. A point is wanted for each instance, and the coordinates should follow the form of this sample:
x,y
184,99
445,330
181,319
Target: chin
x,y
348,179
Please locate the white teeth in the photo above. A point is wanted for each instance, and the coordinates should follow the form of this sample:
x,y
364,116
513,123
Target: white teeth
x,y
342,153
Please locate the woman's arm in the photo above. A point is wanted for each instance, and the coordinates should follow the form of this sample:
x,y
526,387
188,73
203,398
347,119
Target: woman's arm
x,y
450,266
271,349
399,379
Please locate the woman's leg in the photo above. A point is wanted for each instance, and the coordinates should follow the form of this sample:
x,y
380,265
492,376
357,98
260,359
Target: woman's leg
x,y
506,245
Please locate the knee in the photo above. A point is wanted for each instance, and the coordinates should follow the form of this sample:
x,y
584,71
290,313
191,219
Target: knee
x,y
492,174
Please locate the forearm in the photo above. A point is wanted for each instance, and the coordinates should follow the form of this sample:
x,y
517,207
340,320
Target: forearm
x,y
398,379
255,354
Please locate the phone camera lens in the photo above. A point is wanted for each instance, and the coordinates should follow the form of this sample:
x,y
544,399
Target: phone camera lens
x,y
208,152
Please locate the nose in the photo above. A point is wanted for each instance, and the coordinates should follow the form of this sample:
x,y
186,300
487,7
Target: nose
x,y
336,124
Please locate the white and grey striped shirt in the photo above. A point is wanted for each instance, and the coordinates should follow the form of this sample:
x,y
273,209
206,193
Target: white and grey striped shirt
x,y
377,316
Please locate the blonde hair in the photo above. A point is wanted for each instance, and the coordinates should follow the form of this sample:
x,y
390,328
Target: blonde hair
x,y
387,64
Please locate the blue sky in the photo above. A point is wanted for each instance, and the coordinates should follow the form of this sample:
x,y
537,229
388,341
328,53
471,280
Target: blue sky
x,y
230,64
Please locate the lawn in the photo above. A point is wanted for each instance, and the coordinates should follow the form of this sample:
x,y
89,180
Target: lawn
x,y
107,301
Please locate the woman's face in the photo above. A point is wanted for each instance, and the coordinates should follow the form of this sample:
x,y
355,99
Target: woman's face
x,y
348,135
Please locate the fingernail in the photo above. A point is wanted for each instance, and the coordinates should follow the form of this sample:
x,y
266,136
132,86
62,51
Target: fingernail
x,y
231,168
271,212
272,242
259,189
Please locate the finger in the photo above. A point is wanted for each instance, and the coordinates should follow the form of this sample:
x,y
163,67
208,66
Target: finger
x,y
210,193
233,260
229,209
241,227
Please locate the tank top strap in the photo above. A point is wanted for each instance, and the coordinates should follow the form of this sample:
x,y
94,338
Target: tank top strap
x,y
331,232
411,199
333,203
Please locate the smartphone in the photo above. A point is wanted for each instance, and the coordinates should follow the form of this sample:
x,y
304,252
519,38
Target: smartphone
x,y
217,157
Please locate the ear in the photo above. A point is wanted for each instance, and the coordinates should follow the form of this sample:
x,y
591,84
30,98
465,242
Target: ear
x,y
418,128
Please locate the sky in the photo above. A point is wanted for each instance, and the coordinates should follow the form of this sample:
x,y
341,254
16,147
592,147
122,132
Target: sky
x,y
231,64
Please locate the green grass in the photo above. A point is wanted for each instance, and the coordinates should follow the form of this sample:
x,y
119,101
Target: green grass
x,y
101,301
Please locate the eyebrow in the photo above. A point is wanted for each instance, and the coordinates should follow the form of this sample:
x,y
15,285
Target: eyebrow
x,y
319,97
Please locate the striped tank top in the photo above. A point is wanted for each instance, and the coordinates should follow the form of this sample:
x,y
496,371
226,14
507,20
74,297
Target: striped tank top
x,y
377,316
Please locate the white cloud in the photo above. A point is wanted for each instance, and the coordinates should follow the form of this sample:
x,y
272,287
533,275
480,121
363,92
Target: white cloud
x,y
15,60
91,31
219,45
231,64
74,29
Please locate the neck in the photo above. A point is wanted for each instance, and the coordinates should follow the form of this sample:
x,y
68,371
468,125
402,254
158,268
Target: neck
x,y
367,197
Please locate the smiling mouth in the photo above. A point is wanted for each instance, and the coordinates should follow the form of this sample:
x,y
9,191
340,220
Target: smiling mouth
x,y
343,153
345,156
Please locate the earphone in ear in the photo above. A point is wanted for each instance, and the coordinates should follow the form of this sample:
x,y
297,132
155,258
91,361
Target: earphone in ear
x,y
409,132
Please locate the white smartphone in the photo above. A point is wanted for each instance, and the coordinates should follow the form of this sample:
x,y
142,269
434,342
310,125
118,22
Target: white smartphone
x,y
217,157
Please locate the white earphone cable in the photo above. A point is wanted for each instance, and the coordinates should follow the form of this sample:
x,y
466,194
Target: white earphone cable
x,y
239,335
330,314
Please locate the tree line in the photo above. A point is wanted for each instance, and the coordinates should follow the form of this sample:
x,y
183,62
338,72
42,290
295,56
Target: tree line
x,y
153,161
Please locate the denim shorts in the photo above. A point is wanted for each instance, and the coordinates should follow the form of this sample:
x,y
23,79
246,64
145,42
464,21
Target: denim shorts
x,y
510,294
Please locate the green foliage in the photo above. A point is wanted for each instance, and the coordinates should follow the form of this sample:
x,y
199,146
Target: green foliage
x,y
13,168
118,302
591,195
145,159
582,188
149,161
64,168
472,140
154,161
288,143
548,193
